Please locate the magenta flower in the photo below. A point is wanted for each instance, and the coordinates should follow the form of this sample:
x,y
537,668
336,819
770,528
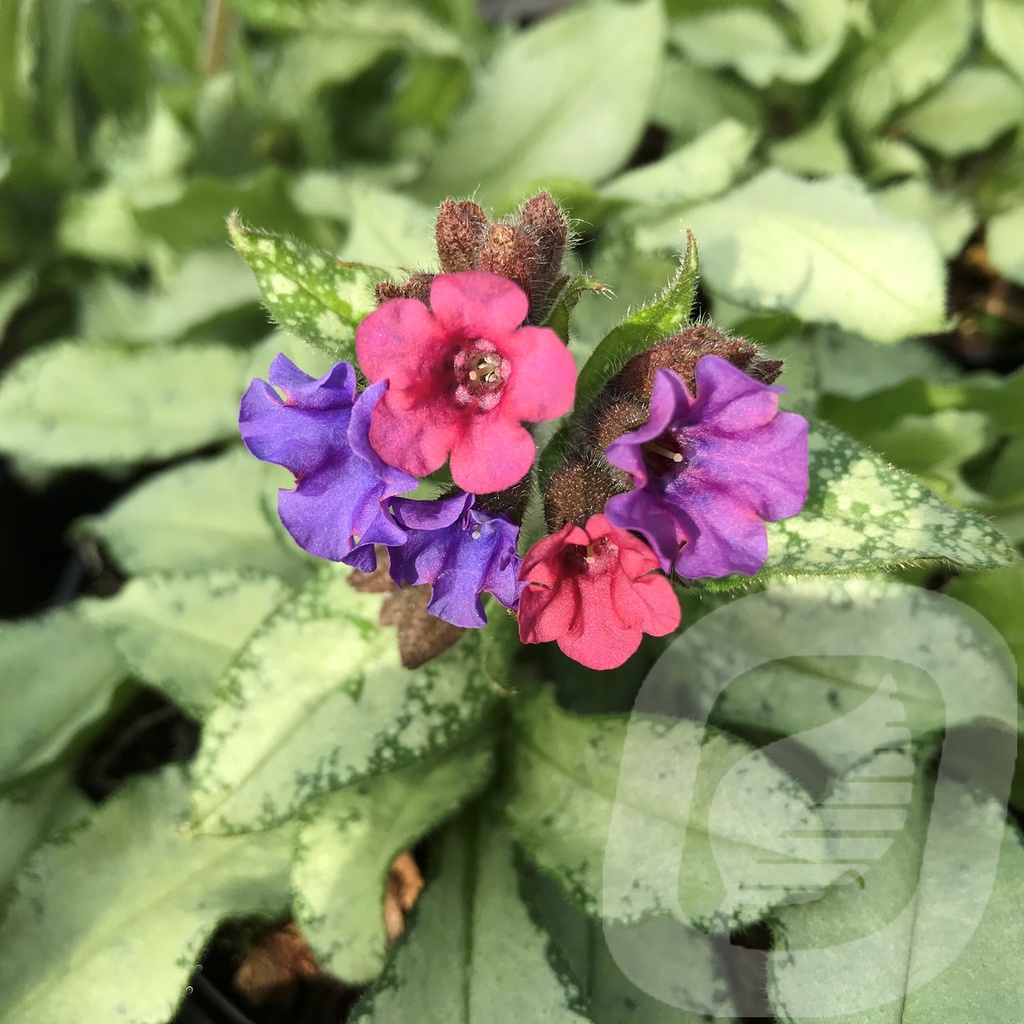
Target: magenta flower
x,y
463,378
710,471
338,508
462,551
596,590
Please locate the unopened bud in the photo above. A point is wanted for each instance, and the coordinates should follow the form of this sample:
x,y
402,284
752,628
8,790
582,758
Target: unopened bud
x,y
459,233
578,490
541,218
512,253
510,503
417,287
681,353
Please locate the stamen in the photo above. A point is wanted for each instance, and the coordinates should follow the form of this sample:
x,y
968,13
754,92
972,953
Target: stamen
x,y
658,450
475,535
589,557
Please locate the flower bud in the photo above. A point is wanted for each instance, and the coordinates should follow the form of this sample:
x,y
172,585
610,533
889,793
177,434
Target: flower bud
x,y
541,217
510,503
459,234
417,287
680,354
578,490
512,253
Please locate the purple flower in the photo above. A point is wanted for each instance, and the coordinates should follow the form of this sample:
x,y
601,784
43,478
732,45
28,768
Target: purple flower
x,y
709,471
338,508
460,550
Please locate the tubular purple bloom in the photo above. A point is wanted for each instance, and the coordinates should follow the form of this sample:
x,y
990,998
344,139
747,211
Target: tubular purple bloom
x,y
710,471
338,508
462,551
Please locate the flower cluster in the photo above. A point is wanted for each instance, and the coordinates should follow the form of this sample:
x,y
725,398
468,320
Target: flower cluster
x,y
453,382
686,456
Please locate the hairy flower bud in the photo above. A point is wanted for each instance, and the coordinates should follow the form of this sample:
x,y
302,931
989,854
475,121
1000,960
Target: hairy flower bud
x,y
681,353
527,248
417,287
459,234
510,503
512,253
578,490
542,218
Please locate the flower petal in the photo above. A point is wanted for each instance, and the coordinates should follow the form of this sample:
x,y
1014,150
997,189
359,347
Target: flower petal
x,y
402,342
542,384
477,304
416,440
730,538
490,454
729,399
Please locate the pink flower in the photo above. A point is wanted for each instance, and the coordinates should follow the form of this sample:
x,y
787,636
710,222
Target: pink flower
x,y
463,378
595,590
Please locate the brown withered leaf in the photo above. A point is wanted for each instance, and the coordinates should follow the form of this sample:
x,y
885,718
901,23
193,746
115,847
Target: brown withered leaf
x,y
405,883
282,960
421,636
274,967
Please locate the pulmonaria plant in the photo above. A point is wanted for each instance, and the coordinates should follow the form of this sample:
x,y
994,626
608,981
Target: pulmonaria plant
x,y
675,465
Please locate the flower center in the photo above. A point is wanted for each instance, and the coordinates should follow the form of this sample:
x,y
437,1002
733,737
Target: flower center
x,y
664,454
481,373
583,559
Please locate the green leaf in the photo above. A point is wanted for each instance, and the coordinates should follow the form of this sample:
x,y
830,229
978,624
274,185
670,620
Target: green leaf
x,y
318,699
855,367
1005,237
637,333
722,829
114,916
391,23
862,514
195,218
58,674
842,706
860,954
950,217
44,804
110,406
347,845
935,447
1003,24
699,170
825,251
208,284
915,45
819,150
390,230
568,298
308,291
206,514
147,164
690,961
967,113
473,953
757,46
178,632
568,97
100,225
15,290
999,596
690,100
